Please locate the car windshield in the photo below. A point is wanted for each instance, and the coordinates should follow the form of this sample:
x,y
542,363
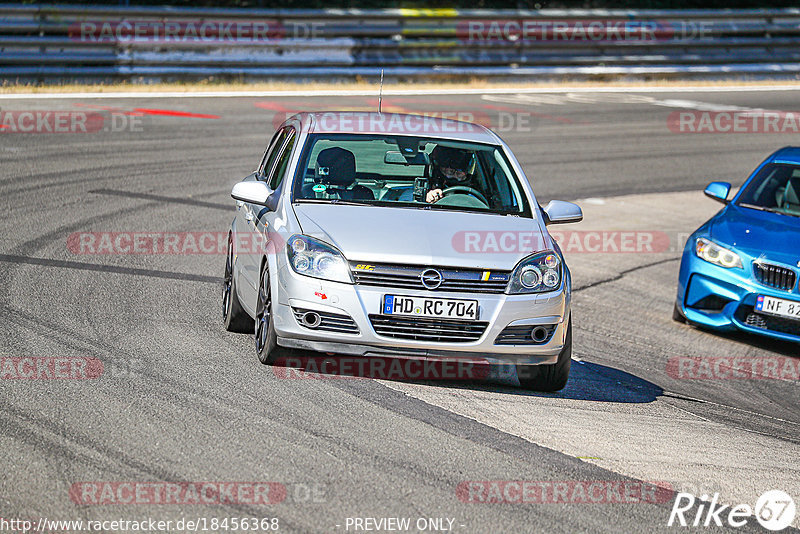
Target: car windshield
x,y
775,188
403,171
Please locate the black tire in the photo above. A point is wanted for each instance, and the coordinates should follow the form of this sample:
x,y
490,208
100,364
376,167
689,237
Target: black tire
x,y
234,318
267,348
677,316
551,377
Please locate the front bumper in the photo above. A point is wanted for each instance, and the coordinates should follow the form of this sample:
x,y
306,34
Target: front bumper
x,y
724,300
359,302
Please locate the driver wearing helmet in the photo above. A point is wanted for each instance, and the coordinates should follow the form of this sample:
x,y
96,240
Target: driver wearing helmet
x,y
449,168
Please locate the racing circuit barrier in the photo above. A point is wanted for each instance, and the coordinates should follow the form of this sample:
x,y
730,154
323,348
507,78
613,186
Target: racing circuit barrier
x,y
41,42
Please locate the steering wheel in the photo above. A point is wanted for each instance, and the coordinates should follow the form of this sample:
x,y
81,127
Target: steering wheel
x,y
464,190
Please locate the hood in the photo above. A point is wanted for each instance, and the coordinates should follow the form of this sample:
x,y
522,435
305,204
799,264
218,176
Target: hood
x,y
382,234
759,234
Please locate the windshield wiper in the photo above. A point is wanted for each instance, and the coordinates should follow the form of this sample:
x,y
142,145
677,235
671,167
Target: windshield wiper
x,y
769,210
332,201
753,206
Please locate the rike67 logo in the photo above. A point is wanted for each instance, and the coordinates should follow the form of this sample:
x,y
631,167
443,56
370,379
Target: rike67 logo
x,y
774,510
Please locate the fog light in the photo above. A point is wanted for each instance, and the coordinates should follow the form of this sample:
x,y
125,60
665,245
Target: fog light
x,y
539,334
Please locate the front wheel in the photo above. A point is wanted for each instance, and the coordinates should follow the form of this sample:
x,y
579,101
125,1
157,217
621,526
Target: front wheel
x,y
552,377
234,318
267,348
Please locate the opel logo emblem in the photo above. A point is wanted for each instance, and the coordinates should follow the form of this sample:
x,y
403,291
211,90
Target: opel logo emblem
x,y
431,278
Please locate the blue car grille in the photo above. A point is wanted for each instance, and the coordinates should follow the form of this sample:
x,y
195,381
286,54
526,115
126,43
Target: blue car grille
x,y
775,276
750,317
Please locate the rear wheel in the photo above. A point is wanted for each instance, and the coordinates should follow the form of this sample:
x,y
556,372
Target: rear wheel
x,y
267,347
551,377
234,318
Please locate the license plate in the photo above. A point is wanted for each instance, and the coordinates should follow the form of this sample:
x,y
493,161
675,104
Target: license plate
x,y
779,307
427,307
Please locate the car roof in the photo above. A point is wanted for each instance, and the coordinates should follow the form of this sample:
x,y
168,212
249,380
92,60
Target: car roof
x,y
788,154
363,122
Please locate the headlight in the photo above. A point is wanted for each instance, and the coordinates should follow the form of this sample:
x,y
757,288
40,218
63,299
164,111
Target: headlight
x,y
536,274
312,257
713,253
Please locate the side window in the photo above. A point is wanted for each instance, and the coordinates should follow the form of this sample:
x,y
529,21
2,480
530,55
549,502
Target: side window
x,y
272,153
279,170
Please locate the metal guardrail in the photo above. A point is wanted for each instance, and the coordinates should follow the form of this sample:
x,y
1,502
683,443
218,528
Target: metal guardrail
x,y
90,42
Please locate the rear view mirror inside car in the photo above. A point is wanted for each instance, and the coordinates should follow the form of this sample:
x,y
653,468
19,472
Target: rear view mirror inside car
x,y
394,157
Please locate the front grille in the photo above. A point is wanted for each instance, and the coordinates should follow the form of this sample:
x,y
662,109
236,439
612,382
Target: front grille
x,y
329,322
521,335
750,317
775,276
432,330
410,277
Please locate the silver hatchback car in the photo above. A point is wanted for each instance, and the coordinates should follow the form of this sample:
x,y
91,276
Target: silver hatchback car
x,y
398,236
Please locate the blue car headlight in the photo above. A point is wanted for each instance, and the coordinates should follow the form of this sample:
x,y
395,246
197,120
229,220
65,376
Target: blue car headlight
x,y
713,253
315,258
537,273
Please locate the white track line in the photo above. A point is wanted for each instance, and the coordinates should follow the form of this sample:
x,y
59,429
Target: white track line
x,y
402,92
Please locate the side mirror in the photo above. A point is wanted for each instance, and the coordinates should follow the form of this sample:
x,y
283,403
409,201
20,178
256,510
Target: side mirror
x,y
718,191
253,192
560,212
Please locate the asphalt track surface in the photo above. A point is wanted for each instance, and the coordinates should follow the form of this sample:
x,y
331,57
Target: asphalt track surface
x,y
182,400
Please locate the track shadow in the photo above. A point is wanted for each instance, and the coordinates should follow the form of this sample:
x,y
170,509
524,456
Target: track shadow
x,y
94,267
161,198
785,348
587,381
590,382
600,383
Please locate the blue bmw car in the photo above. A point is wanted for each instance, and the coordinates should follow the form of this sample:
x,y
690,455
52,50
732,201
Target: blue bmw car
x,y
740,269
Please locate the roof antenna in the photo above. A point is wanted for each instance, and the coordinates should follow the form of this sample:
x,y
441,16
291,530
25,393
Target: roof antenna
x,y
380,93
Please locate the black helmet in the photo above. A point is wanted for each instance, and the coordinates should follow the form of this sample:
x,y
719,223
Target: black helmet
x,y
454,158
445,157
